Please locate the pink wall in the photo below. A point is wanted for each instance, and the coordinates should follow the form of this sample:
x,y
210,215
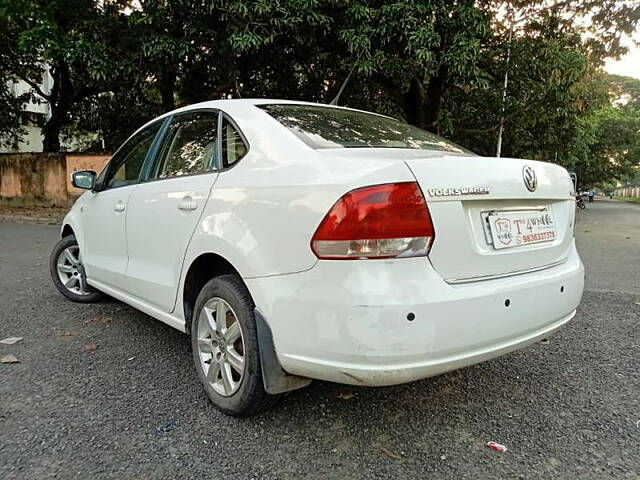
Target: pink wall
x,y
43,179
83,162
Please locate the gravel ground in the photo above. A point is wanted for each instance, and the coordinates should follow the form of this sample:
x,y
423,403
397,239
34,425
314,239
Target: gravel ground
x,y
133,408
49,215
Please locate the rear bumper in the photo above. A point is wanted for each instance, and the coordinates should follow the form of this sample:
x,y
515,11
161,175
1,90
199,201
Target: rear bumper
x,y
347,321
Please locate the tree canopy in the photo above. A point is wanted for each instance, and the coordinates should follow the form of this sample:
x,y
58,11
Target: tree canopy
x,y
438,64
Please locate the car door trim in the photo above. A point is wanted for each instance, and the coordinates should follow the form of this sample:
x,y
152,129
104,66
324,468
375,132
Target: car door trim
x,y
140,304
242,137
152,155
214,164
99,187
150,159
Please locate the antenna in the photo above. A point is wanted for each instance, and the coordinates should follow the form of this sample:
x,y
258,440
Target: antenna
x,y
346,80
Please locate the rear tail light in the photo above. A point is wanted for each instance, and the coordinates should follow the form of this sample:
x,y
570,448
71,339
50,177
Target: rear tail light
x,y
381,221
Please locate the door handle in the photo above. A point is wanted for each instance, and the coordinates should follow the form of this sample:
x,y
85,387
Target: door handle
x,y
187,203
119,207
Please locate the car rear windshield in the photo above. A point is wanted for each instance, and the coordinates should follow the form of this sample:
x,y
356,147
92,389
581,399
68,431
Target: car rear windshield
x,y
330,127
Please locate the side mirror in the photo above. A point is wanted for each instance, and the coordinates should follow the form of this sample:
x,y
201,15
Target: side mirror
x,y
85,179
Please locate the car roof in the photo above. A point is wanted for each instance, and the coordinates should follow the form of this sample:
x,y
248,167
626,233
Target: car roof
x,y
232,103
223,104
249,101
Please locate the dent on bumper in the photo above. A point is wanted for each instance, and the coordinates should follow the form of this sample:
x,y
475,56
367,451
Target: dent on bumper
x,y
383,375
348,322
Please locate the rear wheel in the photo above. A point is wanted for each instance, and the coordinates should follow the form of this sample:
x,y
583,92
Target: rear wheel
x,y
68,274
225,347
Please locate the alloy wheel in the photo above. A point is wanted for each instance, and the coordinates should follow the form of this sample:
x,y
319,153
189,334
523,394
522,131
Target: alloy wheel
x,y
71,271
221,347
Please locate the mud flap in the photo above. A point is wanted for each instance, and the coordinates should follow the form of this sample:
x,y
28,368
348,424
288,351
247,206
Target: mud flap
x,y
275,379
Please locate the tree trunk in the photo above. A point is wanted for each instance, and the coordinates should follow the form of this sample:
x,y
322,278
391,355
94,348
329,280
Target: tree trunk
x,y
51,132
422,106
435,92
413,101
60,101
167,86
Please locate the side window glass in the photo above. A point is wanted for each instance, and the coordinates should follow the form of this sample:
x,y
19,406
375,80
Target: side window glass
x,y
233,147
127,164
190,145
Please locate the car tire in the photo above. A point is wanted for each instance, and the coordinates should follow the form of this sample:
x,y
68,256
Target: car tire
x,y
226,353
67,272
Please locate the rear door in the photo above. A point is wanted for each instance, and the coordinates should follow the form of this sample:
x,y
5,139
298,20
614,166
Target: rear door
x,y
104,212
495,216
164,211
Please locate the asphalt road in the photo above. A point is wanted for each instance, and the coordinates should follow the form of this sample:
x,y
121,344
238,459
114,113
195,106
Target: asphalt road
x,y
133,408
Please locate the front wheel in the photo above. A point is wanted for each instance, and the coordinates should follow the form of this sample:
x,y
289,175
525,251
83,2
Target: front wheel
x,y
225,347
67,272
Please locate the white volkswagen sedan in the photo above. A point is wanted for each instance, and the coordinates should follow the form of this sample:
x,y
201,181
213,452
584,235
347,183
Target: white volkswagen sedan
x,y
296,241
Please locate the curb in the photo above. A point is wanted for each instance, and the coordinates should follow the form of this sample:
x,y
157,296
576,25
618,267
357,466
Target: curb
x,y
33,220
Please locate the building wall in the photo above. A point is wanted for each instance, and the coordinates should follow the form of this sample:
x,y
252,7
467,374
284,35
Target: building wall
x,y
628,191
36,112
31,142
42,179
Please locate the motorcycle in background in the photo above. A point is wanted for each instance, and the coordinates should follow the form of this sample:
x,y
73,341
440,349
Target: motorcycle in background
x,y
579,200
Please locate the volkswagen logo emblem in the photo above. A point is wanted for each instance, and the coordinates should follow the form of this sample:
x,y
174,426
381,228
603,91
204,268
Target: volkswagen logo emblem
x,y
529,177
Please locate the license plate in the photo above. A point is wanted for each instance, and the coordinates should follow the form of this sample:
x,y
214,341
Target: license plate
x,y
513,229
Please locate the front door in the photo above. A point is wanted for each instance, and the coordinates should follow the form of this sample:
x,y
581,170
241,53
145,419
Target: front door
x,y
164,211
105,211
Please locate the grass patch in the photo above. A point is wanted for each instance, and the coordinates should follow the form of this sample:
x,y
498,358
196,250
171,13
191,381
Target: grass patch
x,y
628,199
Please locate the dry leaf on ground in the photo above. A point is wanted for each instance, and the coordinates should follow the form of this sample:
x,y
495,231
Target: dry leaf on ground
x,y
9,359
346,396
389,453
